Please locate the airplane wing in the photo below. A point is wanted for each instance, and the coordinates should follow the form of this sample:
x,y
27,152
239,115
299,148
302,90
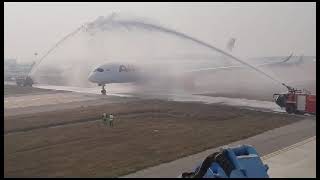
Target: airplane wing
x,y
240,66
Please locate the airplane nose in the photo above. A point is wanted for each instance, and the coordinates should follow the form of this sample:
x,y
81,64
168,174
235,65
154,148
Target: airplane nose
x,y
91,77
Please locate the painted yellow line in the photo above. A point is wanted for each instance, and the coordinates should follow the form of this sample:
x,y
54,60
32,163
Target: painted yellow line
x,y
288,148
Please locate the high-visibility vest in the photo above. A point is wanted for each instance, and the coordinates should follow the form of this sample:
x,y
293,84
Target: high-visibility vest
x,y
111,117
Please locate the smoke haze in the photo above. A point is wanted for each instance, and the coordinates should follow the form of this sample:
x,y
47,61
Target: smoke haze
x,y
166,53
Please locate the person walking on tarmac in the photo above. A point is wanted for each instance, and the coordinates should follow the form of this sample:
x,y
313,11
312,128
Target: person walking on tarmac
x,y
104,118
110,120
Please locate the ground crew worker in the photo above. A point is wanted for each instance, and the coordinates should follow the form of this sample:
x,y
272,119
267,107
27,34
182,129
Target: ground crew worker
x,y
111,120
104,118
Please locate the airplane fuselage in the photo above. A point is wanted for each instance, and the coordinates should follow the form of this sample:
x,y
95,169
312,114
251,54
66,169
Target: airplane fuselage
x,y
114,73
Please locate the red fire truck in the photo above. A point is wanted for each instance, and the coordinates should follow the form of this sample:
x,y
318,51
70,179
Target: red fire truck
x,y
296,101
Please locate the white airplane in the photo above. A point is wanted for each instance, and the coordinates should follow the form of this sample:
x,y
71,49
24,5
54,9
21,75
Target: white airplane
x,y
127,73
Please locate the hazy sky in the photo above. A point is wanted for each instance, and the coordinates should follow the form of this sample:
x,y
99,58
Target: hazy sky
x,y
261,29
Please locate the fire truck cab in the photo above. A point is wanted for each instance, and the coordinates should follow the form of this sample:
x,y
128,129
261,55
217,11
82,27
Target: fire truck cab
x,y
24,81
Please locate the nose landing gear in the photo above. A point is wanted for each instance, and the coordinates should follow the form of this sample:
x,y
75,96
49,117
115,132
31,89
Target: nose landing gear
x,y
103,91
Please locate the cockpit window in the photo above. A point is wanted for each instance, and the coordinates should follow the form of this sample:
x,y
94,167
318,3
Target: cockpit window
x,y
99,70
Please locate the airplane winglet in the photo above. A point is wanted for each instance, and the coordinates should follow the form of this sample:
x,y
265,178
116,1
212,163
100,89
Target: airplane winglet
x,y
288,58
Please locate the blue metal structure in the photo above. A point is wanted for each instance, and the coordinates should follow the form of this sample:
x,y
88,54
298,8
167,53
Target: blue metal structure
x,y
237,162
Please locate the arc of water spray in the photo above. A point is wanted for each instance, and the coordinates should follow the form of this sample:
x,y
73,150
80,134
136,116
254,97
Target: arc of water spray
x,y
54,47
85,26
148,26
111,21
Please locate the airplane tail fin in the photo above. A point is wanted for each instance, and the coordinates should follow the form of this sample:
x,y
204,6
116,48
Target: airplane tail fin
x,y
230,44
300,59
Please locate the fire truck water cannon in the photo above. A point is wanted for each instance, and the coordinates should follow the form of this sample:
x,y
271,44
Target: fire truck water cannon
x,y
296,101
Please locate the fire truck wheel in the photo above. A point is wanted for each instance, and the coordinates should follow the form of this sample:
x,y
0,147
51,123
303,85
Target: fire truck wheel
x,y
290,109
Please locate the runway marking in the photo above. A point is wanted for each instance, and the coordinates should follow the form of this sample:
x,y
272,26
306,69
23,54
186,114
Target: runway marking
x,y
288,148
35,99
